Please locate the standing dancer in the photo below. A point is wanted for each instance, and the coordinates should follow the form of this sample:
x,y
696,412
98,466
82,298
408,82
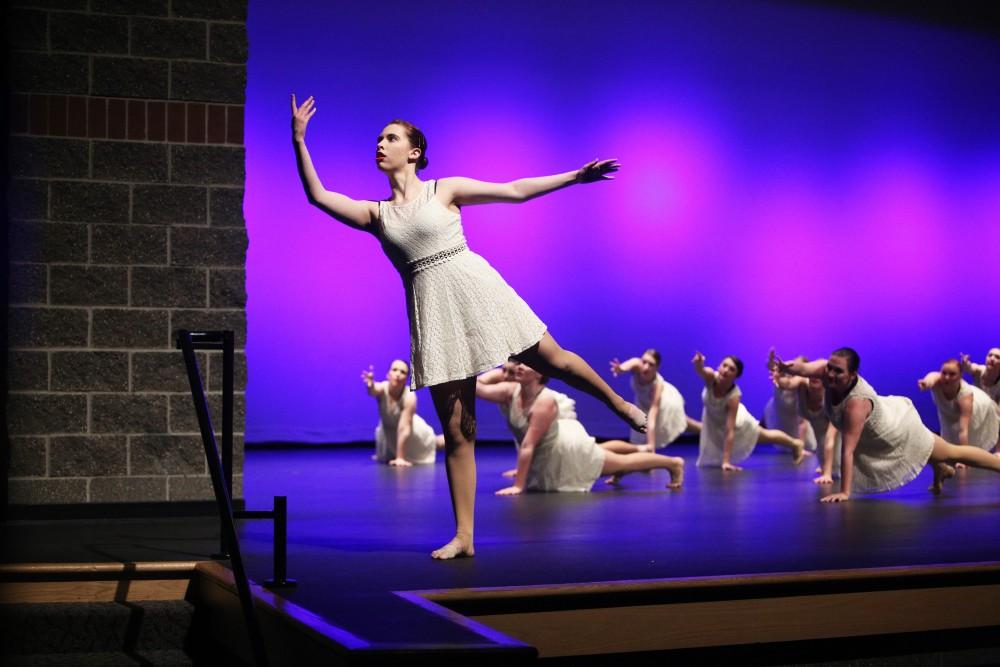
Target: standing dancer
x,y
729,432
402,437
967,414
885,443
986,377
464,319
555,452
663,404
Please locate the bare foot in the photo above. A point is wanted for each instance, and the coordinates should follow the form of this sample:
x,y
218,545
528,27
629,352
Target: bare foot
x,y
677,479
942,471
614,480
459,547
799,452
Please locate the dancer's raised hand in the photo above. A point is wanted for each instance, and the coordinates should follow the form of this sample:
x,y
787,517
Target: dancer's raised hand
x,y
301,116
368,376
616,367
698,360
597,170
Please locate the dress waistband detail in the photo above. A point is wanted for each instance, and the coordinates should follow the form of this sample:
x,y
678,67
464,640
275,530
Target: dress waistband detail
x,y
435,259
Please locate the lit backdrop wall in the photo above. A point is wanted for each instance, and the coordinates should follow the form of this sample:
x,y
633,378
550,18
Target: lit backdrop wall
x,y
793,175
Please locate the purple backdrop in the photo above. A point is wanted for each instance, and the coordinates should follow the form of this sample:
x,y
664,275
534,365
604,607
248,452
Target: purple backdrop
x,y
797,176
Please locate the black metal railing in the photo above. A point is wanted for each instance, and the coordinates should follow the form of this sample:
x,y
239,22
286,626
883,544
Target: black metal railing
x,y
221,469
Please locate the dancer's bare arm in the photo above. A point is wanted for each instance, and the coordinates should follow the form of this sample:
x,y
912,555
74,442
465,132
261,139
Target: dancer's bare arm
x,y
404,430
351,212
543,413
809,369
829,446
974,369
467,191
653,415
706,372
627,366
501,392
855,413
789,381
368,377
964,418
732,408
928,381
491,377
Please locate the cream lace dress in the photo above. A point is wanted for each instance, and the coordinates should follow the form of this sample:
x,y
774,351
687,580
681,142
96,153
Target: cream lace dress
x,y
671,419
894,445
464,319
712,441
983,423
421,447
567,458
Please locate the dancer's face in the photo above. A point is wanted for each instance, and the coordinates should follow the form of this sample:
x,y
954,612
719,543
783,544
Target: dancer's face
x,y
993,357
837,376
526,375
398,372
393,150
951,375
727,370
647,367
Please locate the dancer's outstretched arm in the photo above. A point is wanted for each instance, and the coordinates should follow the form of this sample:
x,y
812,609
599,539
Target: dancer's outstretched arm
x,y
855,413
707,373
491,377
351,212
543,413
497,392
809,369
928,381
368,377
467,191
628,366
788,381
970,367
404,430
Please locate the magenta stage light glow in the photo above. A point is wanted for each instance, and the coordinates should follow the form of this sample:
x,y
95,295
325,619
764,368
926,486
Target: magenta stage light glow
x,y
794,175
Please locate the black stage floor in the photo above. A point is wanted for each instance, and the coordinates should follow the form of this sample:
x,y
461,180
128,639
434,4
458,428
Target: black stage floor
x,y
359,531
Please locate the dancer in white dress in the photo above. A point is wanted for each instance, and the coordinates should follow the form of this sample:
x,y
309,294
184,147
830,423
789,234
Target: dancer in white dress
x,y
986,376
967,414
808,394
729,432
464,319
663,404
556,453
402,437
885,443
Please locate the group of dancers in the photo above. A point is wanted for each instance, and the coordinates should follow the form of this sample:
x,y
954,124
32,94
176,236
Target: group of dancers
x,y
555,452
465,320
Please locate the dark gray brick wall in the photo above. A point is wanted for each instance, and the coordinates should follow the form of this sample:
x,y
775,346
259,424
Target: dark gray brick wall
x,y
125,209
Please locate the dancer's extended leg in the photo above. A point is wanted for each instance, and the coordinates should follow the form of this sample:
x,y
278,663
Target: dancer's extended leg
x,y
777,437
548,358
945,452
455,403
621,447
619,464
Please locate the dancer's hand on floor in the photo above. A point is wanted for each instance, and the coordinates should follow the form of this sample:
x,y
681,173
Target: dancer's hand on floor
x,y
729,467
510,491
509,473
401,463
835,498
823,479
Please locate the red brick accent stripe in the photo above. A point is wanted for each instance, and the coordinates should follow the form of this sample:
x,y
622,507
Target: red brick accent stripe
x,y
129,119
